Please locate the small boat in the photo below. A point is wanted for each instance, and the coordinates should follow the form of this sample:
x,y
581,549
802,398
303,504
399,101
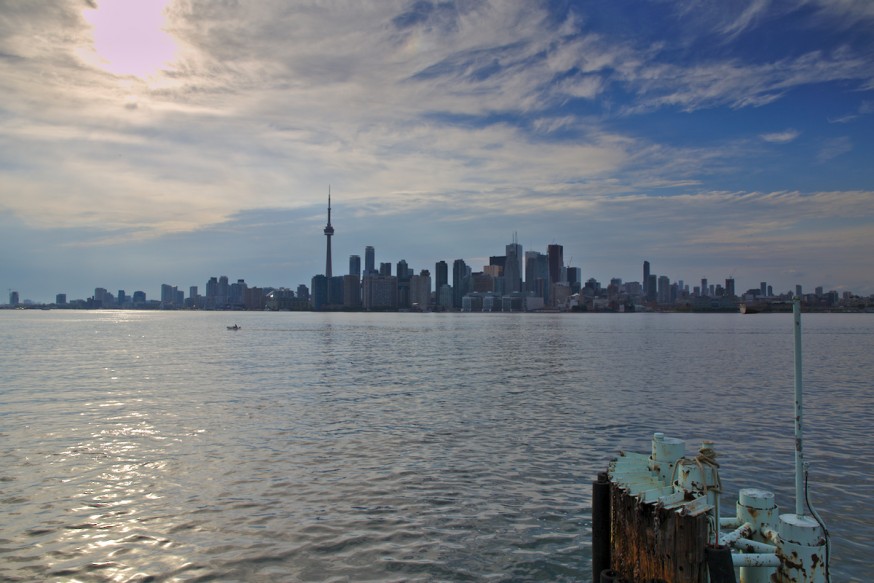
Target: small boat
x,y
234,327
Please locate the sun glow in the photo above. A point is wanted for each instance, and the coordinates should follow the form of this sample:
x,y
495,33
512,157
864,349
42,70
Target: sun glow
x,y
129,36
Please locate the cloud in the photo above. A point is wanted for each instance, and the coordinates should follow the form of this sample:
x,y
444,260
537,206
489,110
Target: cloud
x,y
783,137
833,148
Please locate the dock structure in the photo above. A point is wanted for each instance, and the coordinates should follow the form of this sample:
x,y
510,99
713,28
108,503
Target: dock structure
x,y
656,518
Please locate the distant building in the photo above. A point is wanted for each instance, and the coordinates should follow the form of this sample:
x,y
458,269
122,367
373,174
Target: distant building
x,y
369,260
319,290
61,299
380,292
441,275
460,280
13,298
514,267
351,292
555,257
355,265
420,290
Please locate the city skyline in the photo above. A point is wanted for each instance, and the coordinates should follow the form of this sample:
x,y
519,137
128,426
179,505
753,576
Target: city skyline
x,y
714,140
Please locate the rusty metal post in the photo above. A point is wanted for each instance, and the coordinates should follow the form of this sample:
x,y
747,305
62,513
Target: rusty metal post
x,y
600,526
799,441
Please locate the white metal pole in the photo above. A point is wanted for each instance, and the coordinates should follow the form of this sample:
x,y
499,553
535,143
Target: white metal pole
x,y
799,450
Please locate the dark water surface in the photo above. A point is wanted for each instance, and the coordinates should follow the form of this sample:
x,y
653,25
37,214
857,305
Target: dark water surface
x,y
141,446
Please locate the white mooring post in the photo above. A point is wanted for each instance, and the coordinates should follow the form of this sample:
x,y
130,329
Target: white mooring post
x,y
801,541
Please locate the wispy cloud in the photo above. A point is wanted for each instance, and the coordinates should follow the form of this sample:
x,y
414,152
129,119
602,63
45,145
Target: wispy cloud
x,y
833,148
783,137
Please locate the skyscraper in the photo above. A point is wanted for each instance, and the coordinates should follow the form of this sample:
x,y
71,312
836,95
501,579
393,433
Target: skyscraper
x,y
555,255
513,267
441,275
645,278
329,232
459,282
369,260
355,265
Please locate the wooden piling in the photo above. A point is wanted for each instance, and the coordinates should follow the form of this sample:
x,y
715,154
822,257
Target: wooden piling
x,y
651,542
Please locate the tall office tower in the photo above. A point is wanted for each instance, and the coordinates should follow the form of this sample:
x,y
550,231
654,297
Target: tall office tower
x,y
459,285
13,298
652,287
441,275
329,232
420,290
798,290
385,268
303,292
319,297
355,265
351,291
645,278
61,299
729,287
403,270
536,268
575,275
404,274
555,255
705,289
369,260
664,290
763,288
211,292
513,267
221,295
168,295
120,298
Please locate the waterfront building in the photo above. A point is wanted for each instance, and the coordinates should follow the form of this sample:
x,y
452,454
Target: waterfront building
x,y
560,292
369,260
60,299
420,290
351,291
763,289
444,296
729,287
651,287
493,270
222,292
168,296
513,267
645,281
380,292
13,298
441,275
664,290
460,280
211,292
536,273
482,282
705,289
319,297
555,257
355,265
335,292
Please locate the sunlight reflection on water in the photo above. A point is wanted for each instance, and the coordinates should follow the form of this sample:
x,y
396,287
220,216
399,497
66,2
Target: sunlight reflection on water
x,y
395,446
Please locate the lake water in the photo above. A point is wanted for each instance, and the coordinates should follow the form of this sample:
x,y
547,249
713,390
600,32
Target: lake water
x,y
160,446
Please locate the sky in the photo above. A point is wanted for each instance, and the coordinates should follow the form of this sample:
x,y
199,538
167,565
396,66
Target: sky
x,y
170,141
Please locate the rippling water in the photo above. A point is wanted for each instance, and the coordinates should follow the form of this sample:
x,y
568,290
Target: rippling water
x,y
138,446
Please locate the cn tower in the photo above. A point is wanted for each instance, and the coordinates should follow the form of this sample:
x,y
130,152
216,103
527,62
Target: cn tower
x,y
329,232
